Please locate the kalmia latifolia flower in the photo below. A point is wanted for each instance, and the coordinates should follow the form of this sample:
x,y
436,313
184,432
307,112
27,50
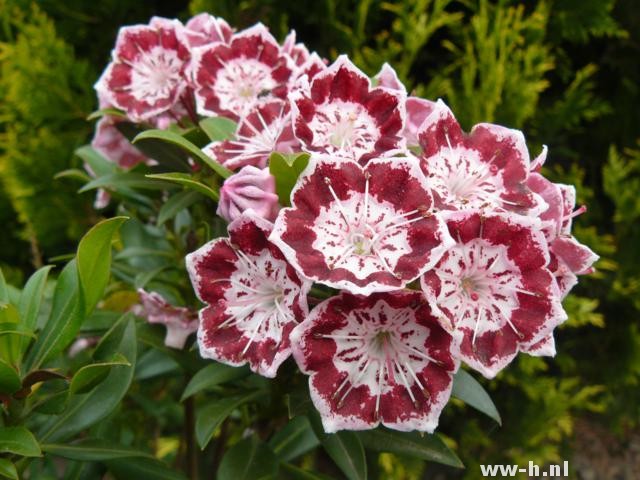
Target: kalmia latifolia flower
x,y
377,359
254,297
146,75
362,229
233,79
205,29
340,114
265,130
114,146
568,256
418,109
487,168
492,290
180,321
249,189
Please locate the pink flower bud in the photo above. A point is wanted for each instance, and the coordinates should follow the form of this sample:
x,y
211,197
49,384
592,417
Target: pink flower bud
x,y
250,188
180,321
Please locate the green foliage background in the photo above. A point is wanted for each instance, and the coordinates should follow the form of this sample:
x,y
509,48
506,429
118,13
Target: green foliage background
x,y
566,72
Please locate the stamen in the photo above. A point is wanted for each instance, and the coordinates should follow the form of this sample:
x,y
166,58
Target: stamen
x,y
254,333
475,328
406,384
337,200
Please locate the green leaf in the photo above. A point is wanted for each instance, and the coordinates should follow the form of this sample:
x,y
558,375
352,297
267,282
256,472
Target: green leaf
x,y
219,128
426,447
249,459
295,439
187,180
91,450
8,469
85,410
467,389
212,375
112,112
94,260
170,157
18,441
67,314
97,163
178,140
176,204
74,174
9,379
142,468
286,169
126,179
10,349
91,375
31,298
344,448
211,415
299,403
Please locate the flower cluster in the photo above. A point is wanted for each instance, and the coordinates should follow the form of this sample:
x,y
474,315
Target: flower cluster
x,y
445,246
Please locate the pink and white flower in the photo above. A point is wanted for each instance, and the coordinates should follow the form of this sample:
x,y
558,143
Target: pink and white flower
x,y
568,256
340,114
485,169
265,130
180,321
381,359
362,229
254,297
146,75
114,146
233,79
418,109
492,290
205,29
249,189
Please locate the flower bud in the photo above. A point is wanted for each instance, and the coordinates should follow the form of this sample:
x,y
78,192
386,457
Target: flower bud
x,y
250,188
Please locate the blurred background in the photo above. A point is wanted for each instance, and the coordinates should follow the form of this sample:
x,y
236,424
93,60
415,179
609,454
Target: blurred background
x,y
566,72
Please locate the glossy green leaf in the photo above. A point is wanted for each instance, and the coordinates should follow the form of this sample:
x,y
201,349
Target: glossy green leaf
x,y
110,111
175,139
94,260
467,389
294,439
212,375
299,403
176,204
213,413
67,313
249,459
344,448
97,163
141,468
91,450
9,379
126,179
286,170
188,181
84,410
169,156
31,298
18,441
10,347
90,375
218,128
73,174
427,447
8,469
